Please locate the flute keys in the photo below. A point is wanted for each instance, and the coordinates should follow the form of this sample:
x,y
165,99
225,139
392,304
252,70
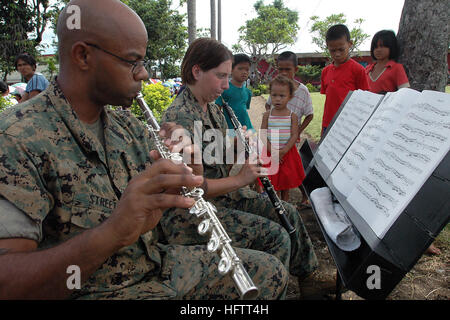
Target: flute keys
x,y
197,193
176,157
213,244
204,227
224,265
195,210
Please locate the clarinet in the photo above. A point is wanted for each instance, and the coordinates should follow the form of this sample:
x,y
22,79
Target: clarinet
x,y
219,241
268,187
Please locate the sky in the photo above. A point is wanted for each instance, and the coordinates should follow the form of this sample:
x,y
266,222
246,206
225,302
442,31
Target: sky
x,y
377,15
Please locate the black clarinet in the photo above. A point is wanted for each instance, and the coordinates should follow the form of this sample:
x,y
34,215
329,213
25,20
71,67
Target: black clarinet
x,y
268,187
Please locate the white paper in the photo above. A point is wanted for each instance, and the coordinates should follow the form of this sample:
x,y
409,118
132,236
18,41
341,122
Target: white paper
x,y
335,220
357,110
372,137
409,155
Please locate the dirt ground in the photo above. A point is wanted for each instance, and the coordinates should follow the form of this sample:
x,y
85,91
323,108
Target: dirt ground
x,y
428,280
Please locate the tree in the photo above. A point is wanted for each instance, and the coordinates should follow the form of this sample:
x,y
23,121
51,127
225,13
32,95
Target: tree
x,y
320,27
192,22
213,18
274,29
424,39
166,34
219,20
51,63
22,24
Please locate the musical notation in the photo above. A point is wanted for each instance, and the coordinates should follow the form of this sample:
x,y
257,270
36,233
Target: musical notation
x,y
415,142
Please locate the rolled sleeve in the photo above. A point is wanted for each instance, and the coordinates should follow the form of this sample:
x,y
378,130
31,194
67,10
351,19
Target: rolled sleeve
x,y
16,224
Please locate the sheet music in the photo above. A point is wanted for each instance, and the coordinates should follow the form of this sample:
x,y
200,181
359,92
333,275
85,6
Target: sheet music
x,y
409,155
352,118
372,137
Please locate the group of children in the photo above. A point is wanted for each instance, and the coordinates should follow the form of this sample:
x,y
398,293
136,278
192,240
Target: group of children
x,y
290,100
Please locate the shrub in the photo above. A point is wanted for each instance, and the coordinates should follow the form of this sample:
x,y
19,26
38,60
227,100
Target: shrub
x,y
311,88
309,73
4,103
255,92
263,88
158,99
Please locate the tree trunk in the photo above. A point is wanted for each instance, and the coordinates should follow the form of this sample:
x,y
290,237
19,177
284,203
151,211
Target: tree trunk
x,y
424,38
219,20
192,21
213,19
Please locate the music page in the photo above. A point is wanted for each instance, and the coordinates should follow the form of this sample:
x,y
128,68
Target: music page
x,y
407,158
372,137
357,110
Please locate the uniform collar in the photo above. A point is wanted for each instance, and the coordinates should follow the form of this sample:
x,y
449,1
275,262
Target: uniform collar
x,y
112,131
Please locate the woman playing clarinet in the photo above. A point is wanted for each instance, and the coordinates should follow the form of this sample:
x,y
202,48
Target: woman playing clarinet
x,y
206,68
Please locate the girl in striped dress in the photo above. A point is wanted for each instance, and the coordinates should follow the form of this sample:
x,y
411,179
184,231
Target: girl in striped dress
x,y
285,167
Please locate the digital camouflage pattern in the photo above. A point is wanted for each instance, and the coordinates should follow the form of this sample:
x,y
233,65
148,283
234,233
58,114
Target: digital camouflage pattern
x,y
66,181
184,111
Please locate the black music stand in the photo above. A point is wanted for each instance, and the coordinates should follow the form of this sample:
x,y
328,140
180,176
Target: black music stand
x,y
403,244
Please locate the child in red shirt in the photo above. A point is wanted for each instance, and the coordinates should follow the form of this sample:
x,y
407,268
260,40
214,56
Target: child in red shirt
x,y
342,76
385,74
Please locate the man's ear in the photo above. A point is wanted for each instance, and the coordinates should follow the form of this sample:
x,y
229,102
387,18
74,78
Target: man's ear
x,y
81,55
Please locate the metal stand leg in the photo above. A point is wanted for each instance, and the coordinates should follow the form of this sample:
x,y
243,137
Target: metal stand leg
x,y
338,286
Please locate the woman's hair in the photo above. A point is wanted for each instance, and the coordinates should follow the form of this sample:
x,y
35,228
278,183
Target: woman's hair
x,y
389,40
207,53
26,58
284,81
240,58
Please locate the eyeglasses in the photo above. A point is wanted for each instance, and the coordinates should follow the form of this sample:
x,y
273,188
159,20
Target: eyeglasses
x,y
137,65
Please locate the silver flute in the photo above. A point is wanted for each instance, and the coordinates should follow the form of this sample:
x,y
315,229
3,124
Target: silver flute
x,y
219,242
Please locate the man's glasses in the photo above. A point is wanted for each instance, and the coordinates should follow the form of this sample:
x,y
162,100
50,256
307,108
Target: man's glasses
x,y
137,65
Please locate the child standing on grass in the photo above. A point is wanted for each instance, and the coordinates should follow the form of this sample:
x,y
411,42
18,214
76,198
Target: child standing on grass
x,y
342,75
300,103
237,95
282,132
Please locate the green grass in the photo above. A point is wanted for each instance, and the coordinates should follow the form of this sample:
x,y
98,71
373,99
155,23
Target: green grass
x,y
447,89
315,126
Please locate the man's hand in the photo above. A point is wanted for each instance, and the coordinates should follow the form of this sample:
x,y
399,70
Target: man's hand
x,y
177,139
147,195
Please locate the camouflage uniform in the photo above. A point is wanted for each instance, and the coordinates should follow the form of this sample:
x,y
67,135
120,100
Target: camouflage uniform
x,y
66,181
184,111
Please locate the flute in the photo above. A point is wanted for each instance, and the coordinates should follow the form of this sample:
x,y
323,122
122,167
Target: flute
x,y
268,187
219,241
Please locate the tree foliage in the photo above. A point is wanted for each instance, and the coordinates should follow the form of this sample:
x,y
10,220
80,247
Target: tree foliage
x,y
309,73
274,29
166,34
22,24
320,27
